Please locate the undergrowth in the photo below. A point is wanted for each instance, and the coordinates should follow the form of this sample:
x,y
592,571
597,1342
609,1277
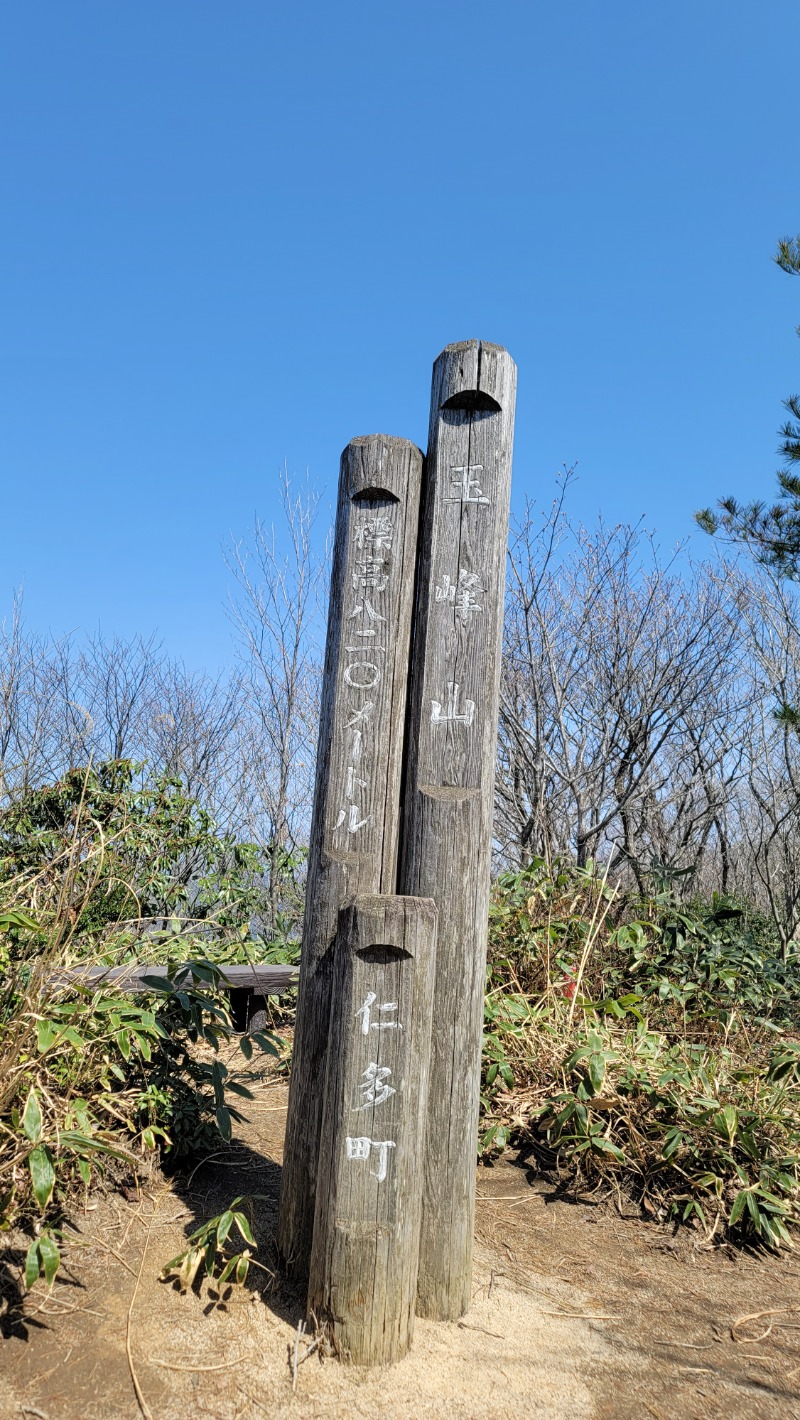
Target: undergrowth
x,y
103,868
210,1246
639,1045
645,1045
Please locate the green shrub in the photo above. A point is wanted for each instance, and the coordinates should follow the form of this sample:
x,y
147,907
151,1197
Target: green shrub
x,y
88,1075
210,1247
648,1044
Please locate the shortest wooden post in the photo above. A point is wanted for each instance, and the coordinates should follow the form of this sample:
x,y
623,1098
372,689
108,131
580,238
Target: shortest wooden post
x,y
365,1252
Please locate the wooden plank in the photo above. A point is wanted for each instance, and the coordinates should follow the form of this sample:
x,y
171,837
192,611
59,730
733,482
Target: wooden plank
x,y
355,821
365,1254
450,753
261,978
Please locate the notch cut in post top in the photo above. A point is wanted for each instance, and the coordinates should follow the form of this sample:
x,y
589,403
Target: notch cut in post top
x,y
382,954
475,376
380,466
376,926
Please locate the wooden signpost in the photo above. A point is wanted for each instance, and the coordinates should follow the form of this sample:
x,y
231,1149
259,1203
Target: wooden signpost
x,y
403,805
369,1202
450,750
356,816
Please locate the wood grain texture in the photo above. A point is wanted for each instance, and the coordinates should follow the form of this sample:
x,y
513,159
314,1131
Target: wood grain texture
x,y
365,1254
355,822
260,979
449,792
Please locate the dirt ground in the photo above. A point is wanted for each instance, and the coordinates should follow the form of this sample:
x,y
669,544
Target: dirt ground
x,y
578,1313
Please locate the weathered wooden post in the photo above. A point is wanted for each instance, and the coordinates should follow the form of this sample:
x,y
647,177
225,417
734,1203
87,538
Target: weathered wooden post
x,y
354,836
450,752
369,1197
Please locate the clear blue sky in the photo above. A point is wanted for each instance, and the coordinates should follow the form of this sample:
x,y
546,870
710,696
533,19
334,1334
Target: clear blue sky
x,y
235,234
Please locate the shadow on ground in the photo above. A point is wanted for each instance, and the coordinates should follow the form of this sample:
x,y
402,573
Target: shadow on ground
x,y
210,1187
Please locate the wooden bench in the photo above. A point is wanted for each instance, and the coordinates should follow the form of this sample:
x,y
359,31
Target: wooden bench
x,y
247,985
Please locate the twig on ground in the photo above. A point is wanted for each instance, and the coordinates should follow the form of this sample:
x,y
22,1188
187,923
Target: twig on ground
x,y
218,1154
177,1366
506,1197
222,1163
143,1406
301,1326
492,1277
259,1405
64,1311
468,1326
581,1316
756,1316
687,1345
296,1360
136,1216
99,1242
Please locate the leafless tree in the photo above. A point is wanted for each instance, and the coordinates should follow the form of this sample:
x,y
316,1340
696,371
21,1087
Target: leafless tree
x,y
275,610
765,611
115,687
614,714
650,709
29,699
62,705
193,732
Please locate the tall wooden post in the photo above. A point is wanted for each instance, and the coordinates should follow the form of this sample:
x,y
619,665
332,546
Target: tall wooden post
x,y
354,835
449,792
369,1197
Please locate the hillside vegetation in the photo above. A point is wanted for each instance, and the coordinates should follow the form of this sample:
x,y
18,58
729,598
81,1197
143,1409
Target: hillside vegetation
x,y
104,867
636,1043
642,1008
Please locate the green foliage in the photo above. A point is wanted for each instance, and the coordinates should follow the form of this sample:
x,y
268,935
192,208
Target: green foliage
x,y
705,959
210,1247
698,1130
659,1052
88,1075
42,1259
142,853
772,533
109,1079
716,958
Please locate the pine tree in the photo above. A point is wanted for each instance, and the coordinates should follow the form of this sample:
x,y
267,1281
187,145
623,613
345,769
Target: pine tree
x,y
772,533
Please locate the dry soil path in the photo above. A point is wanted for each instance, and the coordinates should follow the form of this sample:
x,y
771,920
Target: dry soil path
x,y
577,1314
